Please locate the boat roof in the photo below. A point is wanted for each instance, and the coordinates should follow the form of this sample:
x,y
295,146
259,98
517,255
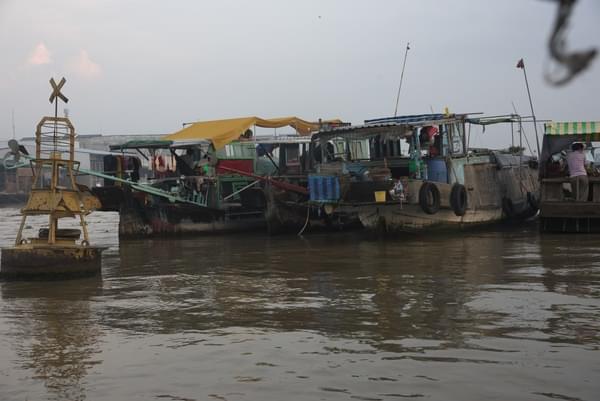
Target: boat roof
x,y
189,144
584,130
143,144
401,126
223,132
415,119
281,139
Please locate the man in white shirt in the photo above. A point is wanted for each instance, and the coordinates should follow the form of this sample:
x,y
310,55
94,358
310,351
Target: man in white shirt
x,y
577,173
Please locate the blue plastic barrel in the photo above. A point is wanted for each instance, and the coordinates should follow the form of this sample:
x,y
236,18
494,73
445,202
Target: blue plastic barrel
x,y
437,170
313,187
323,188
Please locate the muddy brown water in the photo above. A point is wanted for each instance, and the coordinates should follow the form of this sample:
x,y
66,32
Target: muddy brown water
x,y
496,314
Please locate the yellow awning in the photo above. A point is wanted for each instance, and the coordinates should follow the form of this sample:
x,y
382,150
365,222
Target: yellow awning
x,y
222,132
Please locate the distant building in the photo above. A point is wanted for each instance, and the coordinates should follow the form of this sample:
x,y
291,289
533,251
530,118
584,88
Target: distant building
x,y
90,151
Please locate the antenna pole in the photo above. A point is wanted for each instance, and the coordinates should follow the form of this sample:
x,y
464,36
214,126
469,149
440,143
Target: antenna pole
x,y
401,78
537,139
13,123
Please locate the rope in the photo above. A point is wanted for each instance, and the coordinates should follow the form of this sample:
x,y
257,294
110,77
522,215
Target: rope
x,y
306,222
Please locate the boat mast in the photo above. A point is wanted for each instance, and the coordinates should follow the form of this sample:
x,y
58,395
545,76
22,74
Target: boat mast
x,y
401,78
13,124
521,65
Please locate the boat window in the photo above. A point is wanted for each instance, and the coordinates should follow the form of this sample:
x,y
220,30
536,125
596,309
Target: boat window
x,y
240,150
377,148
596,156
359,149
96,164
339,149
457,136
292,154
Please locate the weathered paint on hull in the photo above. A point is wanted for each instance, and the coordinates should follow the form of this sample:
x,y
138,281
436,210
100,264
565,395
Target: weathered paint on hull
x,y
570,217
50,262
487,186
169,220
282,217
285,215
410,218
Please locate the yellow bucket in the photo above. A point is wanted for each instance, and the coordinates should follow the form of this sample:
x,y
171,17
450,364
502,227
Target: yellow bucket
x,y
379,196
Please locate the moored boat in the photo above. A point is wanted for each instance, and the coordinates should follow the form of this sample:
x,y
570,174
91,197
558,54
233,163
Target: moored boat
x,y
415,173
206,178
560,208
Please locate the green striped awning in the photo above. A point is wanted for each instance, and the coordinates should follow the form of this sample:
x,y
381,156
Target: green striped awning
x,y
582,128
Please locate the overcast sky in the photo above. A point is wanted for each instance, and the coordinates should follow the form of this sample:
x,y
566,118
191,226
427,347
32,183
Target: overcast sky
x,y
140,66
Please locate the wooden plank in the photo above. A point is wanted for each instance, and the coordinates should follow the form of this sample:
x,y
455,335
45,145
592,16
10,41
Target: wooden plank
x,y
570,209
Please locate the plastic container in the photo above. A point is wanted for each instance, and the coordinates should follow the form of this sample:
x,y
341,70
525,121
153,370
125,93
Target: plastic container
x,y
417,168
379,196
323,188
437,170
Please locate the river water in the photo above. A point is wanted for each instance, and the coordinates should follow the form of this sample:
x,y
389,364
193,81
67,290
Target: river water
x,y
503,314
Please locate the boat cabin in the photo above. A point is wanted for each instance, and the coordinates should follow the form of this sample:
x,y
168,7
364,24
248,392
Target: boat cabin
x,y
423,163
561,209
429,147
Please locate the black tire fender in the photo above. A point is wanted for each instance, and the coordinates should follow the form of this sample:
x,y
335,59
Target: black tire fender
x,y
429,198
508,207
458,199
533,202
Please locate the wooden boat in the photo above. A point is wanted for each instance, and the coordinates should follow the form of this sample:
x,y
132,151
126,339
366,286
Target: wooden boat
x,y
559,210
207,178
414,173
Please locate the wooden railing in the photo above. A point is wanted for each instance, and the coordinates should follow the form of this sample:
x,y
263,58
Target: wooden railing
x,y
555,189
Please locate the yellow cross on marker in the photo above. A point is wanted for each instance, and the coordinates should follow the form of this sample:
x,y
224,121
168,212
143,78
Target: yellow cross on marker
x,y
56,90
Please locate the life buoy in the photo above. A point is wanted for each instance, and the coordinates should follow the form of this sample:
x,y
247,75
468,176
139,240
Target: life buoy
x,y
458,199
429,198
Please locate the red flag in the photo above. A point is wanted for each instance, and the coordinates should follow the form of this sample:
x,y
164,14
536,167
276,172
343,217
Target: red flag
x,y
521,64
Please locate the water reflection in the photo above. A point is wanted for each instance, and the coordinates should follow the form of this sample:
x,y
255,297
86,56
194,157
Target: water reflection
x,y
372,289
54,333
324,317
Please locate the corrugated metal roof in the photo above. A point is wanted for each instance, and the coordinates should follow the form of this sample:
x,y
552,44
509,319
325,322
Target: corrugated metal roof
x,y
394,125
409,119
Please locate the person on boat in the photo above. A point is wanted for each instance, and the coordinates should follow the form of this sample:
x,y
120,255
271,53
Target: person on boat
x,y
247,135
160,166
188,158
264,149
427,139
577,172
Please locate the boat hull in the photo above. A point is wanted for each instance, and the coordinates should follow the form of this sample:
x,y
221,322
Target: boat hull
x,y
492,194
410,218
292,213
138,219
144,215
570,217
